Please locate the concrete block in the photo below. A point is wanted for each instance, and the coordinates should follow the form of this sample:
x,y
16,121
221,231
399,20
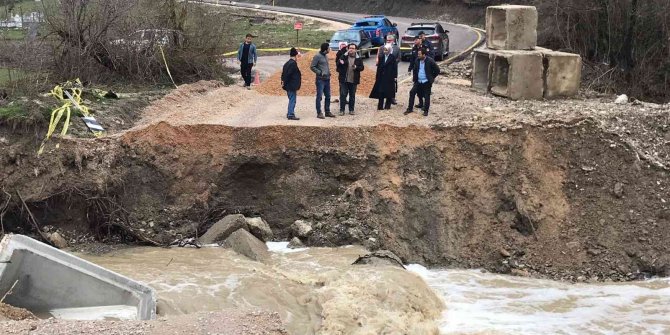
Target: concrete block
x,y
244,243
259,228
223,228
481,69
517,74
511,27
50,281
562,74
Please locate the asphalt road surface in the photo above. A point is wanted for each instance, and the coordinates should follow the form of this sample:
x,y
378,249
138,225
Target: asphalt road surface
x,y
462,38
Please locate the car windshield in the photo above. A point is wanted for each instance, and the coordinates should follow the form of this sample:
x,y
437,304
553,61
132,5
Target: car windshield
x,y
367,24
346,36
417,30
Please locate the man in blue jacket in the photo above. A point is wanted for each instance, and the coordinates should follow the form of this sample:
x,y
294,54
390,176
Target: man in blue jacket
x,y
291,79
247,56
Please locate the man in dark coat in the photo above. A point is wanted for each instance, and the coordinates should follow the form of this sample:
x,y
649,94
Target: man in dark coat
x,y
385,80
395,51
349,67
423,76
291,79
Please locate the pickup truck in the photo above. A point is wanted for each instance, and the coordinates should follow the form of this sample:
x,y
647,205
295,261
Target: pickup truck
x,y
377,27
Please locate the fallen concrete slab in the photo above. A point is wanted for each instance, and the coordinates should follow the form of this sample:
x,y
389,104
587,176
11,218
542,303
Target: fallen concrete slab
x,y
48,281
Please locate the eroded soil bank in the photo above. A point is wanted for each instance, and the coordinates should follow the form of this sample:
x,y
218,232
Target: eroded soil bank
x,y
562,200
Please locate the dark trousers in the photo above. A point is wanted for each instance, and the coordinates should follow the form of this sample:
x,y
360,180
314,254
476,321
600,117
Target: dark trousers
x,y
322,91
347,89
385,105
245,68
423,91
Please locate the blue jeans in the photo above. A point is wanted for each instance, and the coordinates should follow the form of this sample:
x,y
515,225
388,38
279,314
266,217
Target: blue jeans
x,y
291,103
322,89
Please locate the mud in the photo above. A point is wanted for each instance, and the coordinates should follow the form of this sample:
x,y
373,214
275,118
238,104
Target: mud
x,y
563,200
313,291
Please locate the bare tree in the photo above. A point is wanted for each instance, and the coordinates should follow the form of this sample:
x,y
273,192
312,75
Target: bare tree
x,y
83,27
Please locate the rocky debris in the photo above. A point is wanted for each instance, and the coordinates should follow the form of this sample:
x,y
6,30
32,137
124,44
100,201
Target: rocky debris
x,y
458,70
223,228
505,253
520,273
57,240
259,228
8,312
244,243
296,243
380,258
622,99
302,228
618,190
185,242
225,322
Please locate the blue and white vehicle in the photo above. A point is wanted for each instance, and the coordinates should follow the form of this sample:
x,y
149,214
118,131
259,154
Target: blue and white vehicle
x,y
377,27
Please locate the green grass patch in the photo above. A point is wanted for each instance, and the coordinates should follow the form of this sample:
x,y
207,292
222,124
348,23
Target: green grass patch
x,y
9,74
24,114
275,31
282,35
12,112
12,34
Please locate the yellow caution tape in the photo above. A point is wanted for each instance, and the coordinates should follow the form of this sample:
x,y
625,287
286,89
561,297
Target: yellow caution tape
x,y
58,92
166,66
232,53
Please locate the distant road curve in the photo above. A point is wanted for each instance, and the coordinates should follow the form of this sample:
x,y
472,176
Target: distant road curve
x,y
463,39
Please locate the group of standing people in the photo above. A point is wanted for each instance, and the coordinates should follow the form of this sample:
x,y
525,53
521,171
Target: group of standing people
x,y
349,65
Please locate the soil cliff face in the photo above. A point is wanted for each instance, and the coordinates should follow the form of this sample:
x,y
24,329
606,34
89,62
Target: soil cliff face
x,y
563,200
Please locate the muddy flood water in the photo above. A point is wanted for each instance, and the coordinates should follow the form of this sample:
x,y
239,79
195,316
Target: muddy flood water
x,y
317,290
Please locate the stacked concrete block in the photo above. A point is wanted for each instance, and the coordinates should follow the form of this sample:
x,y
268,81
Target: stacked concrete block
x,y
562,74
513,66
510,27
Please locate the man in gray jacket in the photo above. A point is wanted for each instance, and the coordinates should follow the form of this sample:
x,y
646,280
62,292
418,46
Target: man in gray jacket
x,y
321,68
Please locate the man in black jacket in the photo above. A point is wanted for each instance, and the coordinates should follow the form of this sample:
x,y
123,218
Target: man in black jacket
x,y
423,76
415,52
349,67
291,79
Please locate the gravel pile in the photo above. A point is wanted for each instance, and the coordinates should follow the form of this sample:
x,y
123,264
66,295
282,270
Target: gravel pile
x,y
272,86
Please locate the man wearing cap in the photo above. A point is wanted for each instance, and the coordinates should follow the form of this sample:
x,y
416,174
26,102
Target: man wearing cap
x,y
247,56
426,45
321,68
291,79
349,67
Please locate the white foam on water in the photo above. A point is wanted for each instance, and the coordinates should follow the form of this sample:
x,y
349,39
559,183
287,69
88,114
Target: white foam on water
x,y
282,248
483,302
116,312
